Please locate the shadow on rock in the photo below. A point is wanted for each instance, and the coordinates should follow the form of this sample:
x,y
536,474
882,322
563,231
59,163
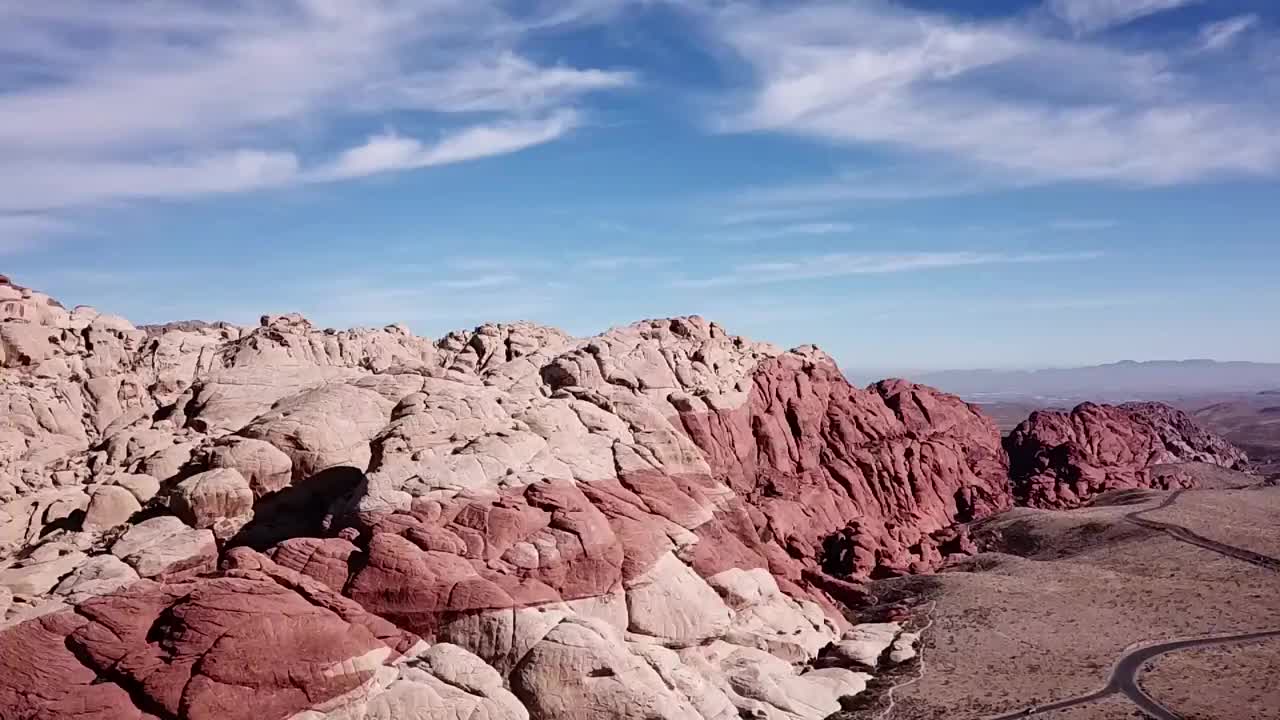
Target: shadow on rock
x,y
301,510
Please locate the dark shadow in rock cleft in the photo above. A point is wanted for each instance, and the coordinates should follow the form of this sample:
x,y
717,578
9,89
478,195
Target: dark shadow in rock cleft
x,y
301,510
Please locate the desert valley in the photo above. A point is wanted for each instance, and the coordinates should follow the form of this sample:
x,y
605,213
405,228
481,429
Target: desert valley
x,y
662,521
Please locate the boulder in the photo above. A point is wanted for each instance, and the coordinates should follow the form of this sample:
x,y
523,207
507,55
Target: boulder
x,y
165,545
266,467
760,685
205,498
143,487
110,505
37,574
864,645
98,575
167,462
904,648
324,427
582,669
670,602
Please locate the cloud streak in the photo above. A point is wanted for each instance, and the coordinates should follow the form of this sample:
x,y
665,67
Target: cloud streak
x,y
1008,100
390,152
835,265
1095,15
1221,35
186,98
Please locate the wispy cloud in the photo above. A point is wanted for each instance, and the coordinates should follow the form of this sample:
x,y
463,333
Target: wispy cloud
x,y
164,100
1095,15
846,264
747,212
614,263
477,282
890,183
1010,99
761,232
20,230
1083,224
1221,35
552,264
389,152
507,83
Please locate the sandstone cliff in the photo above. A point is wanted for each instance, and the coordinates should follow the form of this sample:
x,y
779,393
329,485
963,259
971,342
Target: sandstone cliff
x,y
208,521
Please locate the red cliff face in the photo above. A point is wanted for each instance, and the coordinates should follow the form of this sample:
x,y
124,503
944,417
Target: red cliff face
x,y
856,481
1060,460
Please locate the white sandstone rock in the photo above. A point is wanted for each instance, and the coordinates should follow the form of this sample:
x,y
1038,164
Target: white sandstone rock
x,y
165,544
98,575
205,498
110,505
864,644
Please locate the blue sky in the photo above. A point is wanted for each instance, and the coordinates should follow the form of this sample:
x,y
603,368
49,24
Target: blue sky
x,y
910,185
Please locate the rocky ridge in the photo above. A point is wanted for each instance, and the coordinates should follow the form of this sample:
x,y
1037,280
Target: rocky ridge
x,y
1060,459
660,521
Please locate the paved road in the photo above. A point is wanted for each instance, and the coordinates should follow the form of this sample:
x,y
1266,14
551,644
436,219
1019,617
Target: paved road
x,y
1180,533
1124,676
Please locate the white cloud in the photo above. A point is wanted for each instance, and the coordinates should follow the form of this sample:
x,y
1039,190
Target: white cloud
x,y
20,230
614,263
185,98
846,264
55,183
388,152
503,84
826,228
508,264
1094,15
752,213
1221,35
889,183
758,231
478,282
1006,101
1083,224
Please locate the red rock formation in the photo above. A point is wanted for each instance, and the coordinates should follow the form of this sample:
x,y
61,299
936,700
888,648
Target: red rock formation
x,y
1060,459
641,524
814,458
258,642
827,477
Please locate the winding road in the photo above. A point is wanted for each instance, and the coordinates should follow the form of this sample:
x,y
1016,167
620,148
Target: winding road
x,y
1124,675
1178,532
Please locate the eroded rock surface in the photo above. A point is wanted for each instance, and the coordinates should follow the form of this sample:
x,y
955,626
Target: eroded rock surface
x,y
200,520
1061,459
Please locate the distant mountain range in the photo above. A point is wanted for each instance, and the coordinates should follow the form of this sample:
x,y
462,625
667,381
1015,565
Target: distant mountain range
x,y
1114,381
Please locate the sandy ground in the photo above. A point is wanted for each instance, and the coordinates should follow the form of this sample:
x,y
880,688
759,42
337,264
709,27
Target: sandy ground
x,y
1112,708
1245,672
1014,631
1247,518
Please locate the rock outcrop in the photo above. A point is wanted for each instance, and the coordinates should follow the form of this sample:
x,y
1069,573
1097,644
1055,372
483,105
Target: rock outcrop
x,y
1060,459
665,520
